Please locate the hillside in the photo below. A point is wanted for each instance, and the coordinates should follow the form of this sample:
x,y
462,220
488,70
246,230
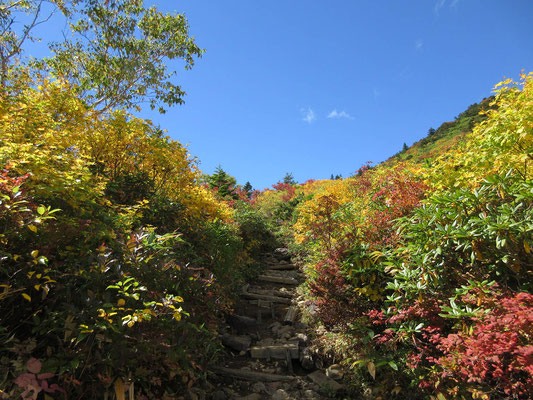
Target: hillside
x,y
440,140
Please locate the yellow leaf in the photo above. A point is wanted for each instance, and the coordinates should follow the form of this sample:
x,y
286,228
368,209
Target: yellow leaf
x,y
32,228
119,389
34,253
527,248
121,302
371,369
26,296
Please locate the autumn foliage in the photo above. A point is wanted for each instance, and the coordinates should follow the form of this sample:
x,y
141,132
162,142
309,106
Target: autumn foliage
x,y
424,270
115,263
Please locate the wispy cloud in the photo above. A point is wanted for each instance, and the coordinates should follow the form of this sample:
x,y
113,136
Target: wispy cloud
x,y
438,6
441,3
419,43
308,115
377,93
339,115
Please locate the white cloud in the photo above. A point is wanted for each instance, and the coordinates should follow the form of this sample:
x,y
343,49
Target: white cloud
x,y
438,5
308,115
441,3
419,43
339,115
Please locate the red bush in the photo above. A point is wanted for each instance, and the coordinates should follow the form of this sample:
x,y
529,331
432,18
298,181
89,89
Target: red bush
x,y
499,352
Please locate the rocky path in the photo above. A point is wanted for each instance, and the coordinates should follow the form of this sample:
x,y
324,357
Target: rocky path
x,y
267,355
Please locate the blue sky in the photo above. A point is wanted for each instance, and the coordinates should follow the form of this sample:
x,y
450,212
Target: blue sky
x,y
318,88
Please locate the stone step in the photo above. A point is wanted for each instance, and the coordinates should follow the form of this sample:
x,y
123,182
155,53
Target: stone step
x,y
250,375
282,267
270,292
277,351
277,279
273,299
321,379
238,343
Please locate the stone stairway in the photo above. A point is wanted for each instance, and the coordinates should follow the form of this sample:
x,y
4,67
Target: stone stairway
x,y
267,354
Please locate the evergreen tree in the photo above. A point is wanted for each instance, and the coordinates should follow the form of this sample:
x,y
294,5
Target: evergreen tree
x,y
289,179
248,188
224,182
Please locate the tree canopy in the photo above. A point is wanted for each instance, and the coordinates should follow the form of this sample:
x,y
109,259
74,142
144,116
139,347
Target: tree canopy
x,y
115,53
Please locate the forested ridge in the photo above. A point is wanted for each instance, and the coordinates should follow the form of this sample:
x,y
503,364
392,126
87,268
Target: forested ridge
x,y
120,260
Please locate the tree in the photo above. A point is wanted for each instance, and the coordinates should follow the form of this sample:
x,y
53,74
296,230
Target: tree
x,y
11,40
248,188
404,148
431,132
289,179
223,182
116,54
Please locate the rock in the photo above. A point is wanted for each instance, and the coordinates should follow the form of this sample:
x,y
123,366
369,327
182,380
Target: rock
x,y
282,254
259,387
219,395
275,326
287,329
302,338
238,343
309,394
272,387
324,382
283,262
306,359
242,323
270,259
276,351
280,394
266,342
335,372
